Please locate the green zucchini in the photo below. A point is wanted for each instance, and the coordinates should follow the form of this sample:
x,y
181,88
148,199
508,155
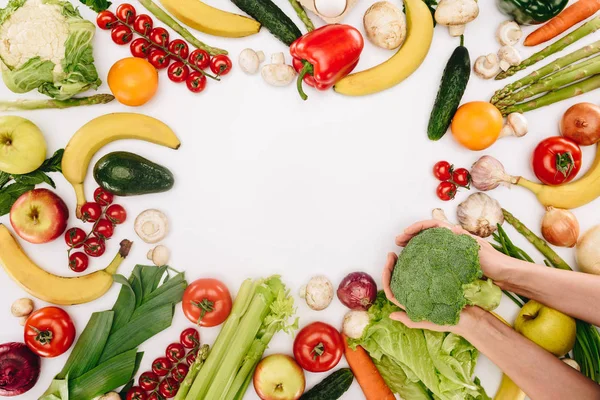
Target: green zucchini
x,y
453,85
271,17
332,387
127,174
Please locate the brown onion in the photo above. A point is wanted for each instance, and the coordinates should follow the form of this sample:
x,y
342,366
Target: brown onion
x,y
581,123
357,291
560,227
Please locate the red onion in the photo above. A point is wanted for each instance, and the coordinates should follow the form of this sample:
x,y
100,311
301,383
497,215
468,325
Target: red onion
x,y
357,291
19,369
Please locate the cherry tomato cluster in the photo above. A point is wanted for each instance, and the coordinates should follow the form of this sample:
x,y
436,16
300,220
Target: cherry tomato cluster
x,y
169,371
450,179
105,216
155,46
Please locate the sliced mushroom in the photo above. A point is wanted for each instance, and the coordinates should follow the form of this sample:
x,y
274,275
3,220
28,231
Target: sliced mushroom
x,y
487,67
509,33
151,226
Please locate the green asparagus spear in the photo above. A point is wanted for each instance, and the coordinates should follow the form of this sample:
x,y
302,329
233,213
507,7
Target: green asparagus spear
x,y
554,66
185,386
176,26
589,27
302,15
564,93
50,103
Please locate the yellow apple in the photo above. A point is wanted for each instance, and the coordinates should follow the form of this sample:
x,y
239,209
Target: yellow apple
x,y
279,377
22,145
548,328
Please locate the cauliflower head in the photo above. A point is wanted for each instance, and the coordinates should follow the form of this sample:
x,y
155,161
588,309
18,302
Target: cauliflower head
x,y
438,274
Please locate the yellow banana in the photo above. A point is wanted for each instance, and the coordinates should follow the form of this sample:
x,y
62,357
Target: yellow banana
x,y
52,288
402,64
105,129
213,21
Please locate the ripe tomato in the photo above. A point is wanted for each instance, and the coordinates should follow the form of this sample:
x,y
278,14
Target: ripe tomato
x,y
94,247
180,372
158,58
161,366
442,170
191,357
140,48
175,352
160,36
477,125
446,191
461,177
136,393
200,58
556,160
116,214
78,262
318,347
178,72
49,332
189,338
103,229
168,388
75,237
206,302
148,381
220,64
121,34
103,197
155,396
143,24
106,20
196,82
91,212
126,13
179,48
133,81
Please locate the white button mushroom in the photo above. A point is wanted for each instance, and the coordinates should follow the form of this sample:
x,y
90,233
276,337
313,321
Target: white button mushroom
x,y
151,226
509,33
385,25
249,60
22,307
455,14
487,67
509,56
318,292
159,255
278,73
516,125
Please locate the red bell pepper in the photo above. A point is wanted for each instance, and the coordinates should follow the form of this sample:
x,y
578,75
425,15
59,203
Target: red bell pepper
x,y
326,55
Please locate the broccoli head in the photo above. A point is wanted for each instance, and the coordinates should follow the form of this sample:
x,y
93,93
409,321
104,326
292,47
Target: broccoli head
x,y
438,274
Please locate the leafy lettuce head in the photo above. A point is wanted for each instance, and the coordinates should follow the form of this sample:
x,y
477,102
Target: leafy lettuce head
x,y
46,45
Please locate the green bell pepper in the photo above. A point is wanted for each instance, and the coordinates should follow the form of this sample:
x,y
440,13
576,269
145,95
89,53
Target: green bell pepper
x,y
529,12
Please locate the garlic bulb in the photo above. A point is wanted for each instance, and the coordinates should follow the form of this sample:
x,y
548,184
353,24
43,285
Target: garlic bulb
x,y
560,227
480,214
488,173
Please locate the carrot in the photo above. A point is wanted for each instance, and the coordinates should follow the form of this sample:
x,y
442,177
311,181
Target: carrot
x,y
367,375
570,16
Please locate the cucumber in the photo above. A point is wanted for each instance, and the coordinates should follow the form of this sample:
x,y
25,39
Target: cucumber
x,y
127,174
271,17
332,387
453,85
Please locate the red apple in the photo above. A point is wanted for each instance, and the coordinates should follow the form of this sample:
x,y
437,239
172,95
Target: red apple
x,y
39,216
279,377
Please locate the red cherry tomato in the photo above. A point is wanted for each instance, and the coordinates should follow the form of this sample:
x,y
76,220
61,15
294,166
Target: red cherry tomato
x,y
191,357
178,72
103,197
556,160
200,58
103,229
158,58
179,48
136,393
318,347
126,13
180,372
148,381
175,352
94,247
189,338
140,48
220,64
91,212
78,262
442,170
206,302
116,214
161,366
461,177
196,82
446,191
143,24
49,332
155,396
106,20
168,388
75,237
160,36
121,34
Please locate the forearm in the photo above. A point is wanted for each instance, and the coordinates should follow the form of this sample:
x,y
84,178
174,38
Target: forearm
x,y
538,373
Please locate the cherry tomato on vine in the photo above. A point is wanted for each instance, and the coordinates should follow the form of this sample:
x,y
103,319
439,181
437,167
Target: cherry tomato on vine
x,y
78,262
196,82
106,20
116,214
140,48
91,212
442,170
191,357
121,34
126,13
148,381
143,24
318,347
175,352
189,338
136,393
180,48
160,36
161,366
94,247
75,237
103,197
461,177
556,160
49,332
178,72
180,372
158,58
220,64
200,58
103,229
446,191
168,388
155,396
206,302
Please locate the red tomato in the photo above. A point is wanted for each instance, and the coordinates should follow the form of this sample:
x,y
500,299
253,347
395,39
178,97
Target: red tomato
x,y
155,396
121,34
200,58
179,48
49,332
103,197
126,13
136,393
446,191
191,357
206,302
75,237
116,214
168,388
556,160
461,177
158,58
160,36
143,24
318,347
148,381
175,352
220,64
162,366
103,229
78,262
91,212
140,48
106,20
178,72
189,338
94,247
180,372
442,170
196,82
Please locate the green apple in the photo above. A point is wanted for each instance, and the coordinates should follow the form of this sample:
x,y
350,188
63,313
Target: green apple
x,y
22,145
548,328
279,377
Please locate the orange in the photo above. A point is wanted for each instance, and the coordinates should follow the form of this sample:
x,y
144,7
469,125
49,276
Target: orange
x,y
477,125
133,81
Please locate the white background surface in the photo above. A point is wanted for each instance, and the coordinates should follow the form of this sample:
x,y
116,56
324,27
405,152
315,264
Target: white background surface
x,y
266,183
